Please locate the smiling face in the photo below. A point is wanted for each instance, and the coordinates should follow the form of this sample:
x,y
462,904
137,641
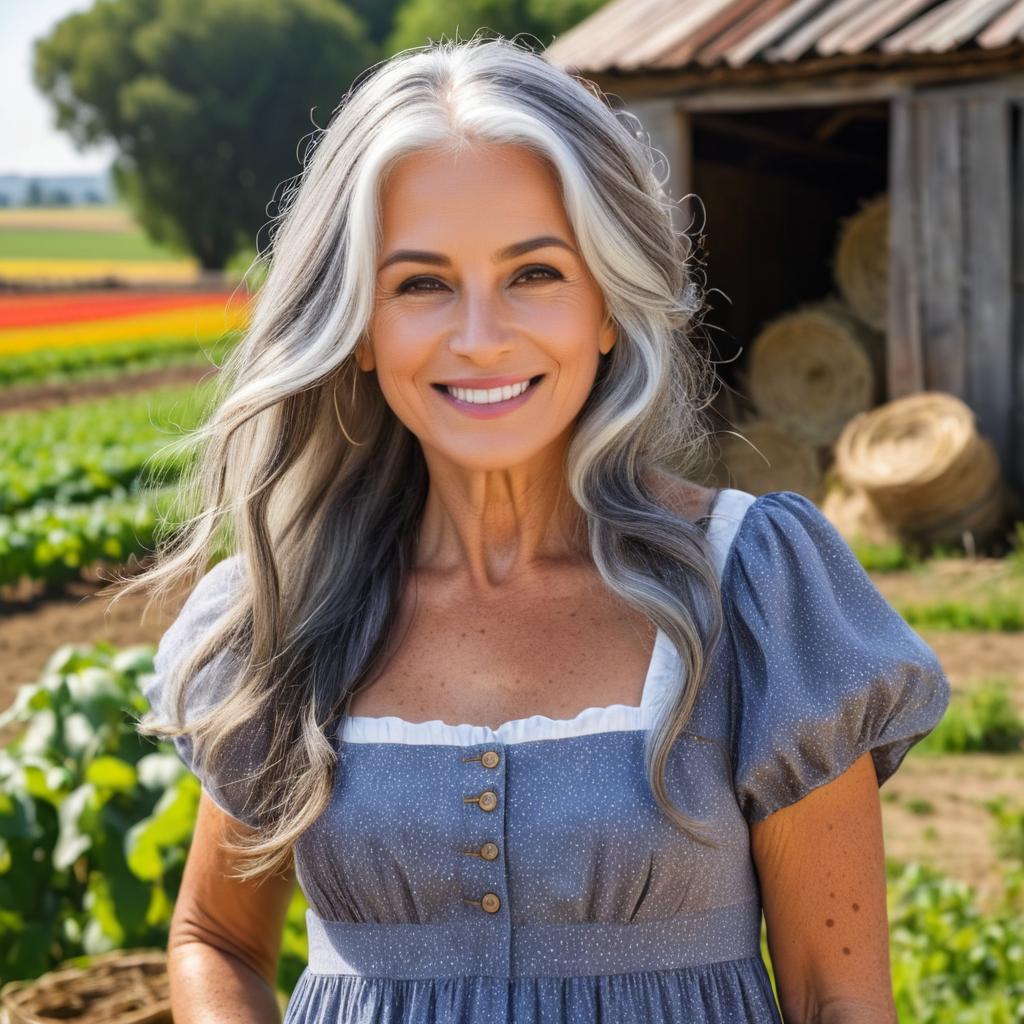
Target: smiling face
x,y
480,287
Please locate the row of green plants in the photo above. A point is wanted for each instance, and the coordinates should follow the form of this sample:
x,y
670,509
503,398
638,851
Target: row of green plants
x,y
1002,613
984,720
82,451
951,963
53,543
894,556
96,822
996,607
63,365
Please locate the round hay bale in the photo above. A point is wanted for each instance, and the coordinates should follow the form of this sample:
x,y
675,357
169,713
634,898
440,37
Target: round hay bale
x,y
765,458
810,370
925,467
852,512
861,263
119,987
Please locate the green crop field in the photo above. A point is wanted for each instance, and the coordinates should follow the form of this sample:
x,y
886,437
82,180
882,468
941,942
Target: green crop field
x,y
45,244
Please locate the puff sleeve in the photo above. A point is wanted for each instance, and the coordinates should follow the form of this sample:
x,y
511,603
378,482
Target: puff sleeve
x,y
823,667
209,599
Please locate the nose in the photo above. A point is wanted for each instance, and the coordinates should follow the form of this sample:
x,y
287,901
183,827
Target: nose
x,y
481,332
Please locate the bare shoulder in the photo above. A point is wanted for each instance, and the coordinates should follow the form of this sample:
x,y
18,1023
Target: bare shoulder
x,y
682,496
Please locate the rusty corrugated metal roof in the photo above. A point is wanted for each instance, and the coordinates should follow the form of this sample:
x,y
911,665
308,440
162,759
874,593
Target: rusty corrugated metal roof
x,y
662,35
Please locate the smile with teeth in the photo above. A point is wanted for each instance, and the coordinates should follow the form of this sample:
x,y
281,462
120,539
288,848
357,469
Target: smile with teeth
x,y
488,396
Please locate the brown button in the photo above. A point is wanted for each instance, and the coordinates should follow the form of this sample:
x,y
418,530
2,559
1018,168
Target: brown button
x,y
490,759
488,800
490,902
489,851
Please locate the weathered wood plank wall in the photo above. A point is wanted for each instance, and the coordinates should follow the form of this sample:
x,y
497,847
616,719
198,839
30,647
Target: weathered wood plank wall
x,y
952,319
956,284
1017,282
988,204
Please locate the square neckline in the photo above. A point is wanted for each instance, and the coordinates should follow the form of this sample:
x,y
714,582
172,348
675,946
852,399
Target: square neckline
x,y
654,663
662,670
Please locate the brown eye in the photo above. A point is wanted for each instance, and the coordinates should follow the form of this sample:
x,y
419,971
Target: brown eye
x,y
550,273
407,286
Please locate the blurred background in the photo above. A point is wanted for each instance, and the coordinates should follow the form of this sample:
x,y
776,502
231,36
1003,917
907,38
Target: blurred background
x,y
850,174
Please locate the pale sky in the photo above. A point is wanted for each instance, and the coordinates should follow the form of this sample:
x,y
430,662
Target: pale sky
x,y
29,144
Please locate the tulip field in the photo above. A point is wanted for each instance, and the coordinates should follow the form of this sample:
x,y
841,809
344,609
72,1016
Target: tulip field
x,y
77,481
45,337
82,481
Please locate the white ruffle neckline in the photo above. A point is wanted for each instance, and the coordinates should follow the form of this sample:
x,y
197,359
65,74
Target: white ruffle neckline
x,y
661,681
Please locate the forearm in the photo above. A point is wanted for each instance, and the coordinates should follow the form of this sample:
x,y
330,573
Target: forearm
x,y
211,986
844,1011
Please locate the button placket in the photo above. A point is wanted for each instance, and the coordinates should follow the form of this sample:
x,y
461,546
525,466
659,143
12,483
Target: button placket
x,y
489,873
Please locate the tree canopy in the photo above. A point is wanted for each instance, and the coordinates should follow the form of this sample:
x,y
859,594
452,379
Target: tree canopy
x,y
417,21
207,102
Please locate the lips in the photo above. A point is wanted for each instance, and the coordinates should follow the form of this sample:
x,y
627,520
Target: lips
x,y
488,409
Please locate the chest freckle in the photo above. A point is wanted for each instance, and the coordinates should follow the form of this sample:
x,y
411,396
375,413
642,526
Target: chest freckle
x,y
829,922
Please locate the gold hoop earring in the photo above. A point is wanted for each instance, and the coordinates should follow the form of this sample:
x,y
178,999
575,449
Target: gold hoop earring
x,y
337,414
609,322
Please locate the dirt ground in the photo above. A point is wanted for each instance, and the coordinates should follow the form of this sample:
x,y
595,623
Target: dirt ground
x,y
31,630
955,836
45,396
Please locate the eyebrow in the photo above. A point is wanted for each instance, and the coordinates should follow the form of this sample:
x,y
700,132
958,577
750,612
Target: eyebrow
x,y
508,253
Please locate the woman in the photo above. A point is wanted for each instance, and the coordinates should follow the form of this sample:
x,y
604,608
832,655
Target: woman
x,y
537,728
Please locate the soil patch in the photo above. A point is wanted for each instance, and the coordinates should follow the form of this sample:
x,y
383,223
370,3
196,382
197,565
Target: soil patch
x,y
47,396
32,631
954,834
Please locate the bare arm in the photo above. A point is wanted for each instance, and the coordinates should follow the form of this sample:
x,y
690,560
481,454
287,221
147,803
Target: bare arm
x,y
225,936
821,866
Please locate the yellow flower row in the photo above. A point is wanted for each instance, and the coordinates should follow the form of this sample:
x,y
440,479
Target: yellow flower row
x,y
67,218
75,270
203,323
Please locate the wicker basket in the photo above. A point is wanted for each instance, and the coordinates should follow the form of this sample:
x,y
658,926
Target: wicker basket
x,y
120,987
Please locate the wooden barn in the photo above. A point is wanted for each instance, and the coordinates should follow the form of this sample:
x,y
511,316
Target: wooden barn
x,y
786,117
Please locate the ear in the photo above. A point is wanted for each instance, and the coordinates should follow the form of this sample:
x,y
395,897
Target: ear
x,y
364,355
608,337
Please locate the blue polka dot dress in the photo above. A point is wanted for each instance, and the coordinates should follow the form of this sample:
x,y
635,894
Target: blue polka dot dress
x,y
525,874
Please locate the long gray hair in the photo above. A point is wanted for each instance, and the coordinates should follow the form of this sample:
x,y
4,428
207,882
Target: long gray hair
x,y
324,524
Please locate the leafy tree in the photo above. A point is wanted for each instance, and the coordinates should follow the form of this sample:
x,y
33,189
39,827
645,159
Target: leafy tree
x,y
378,16
206,100
418,21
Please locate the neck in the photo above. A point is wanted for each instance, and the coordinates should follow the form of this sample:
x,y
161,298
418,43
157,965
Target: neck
x,y
497,527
